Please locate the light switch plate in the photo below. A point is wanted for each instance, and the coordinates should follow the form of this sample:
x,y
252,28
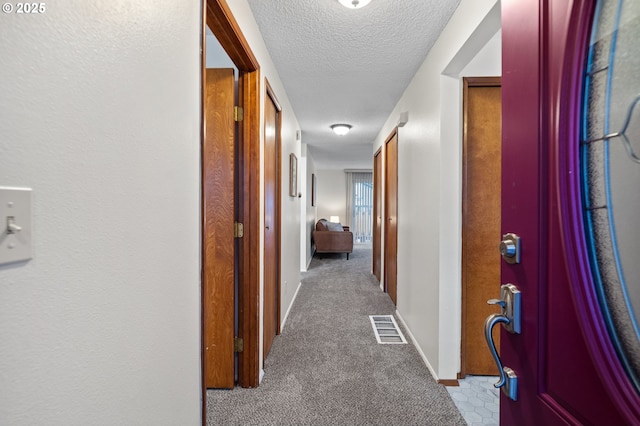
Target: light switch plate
x,y
15,208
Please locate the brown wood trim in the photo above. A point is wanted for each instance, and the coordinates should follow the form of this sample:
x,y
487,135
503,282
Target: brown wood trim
x,y
463,283
393,133
449,382
466,83
482,81
278,213
203,85
376,213
220,20
249,215
269,92
224,26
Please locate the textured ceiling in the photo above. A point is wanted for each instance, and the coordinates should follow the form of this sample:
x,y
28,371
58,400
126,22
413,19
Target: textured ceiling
x,y
342,65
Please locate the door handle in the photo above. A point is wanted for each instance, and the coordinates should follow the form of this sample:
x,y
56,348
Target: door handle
x,y
509,317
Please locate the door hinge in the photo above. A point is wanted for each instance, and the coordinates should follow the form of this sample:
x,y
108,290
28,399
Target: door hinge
x,y
238,344
238,113
238,230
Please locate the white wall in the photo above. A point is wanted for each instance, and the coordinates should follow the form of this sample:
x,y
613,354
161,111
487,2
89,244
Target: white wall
x,y
332,194
487,62
215,55
429,191
290,208
100,115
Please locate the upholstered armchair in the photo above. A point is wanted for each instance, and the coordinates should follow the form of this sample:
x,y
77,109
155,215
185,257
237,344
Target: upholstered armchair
x,y
332,237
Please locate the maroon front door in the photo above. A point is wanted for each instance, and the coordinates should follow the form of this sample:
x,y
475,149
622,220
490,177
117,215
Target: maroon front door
x,y
568,368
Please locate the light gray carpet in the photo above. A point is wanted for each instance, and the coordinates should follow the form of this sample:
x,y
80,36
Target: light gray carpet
x,y
326,368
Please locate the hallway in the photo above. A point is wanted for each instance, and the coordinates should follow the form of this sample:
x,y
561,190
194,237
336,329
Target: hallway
x,y
327,367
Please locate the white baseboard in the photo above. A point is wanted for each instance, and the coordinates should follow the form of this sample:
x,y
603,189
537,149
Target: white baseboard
x,y
313,251
417,346
261,376
286,315
306,268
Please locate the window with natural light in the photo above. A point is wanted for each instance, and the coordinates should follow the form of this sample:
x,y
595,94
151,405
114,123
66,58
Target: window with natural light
x,y
360,205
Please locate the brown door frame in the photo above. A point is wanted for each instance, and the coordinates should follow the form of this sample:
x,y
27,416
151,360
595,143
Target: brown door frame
x,y
385,228
468,82
218,17
377,214
278,202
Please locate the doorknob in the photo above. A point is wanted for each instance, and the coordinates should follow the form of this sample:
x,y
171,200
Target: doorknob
x,y
509,317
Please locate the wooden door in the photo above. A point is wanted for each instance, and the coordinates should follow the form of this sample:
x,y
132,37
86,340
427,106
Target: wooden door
x,y
221,22
271,318
377,214
391,216
218,219
480,219
568,367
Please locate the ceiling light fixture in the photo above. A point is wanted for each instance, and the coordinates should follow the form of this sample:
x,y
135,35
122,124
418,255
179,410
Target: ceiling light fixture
x,y
341,129
354,4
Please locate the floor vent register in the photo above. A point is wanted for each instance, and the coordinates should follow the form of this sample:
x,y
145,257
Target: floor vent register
x,y
387,330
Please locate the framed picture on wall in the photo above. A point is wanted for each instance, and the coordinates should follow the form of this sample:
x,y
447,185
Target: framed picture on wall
x,y
293,175
313,190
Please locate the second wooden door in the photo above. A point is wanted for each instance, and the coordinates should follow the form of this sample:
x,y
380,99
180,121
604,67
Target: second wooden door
x,y
480,219
377,214
271,315
391,215
218,171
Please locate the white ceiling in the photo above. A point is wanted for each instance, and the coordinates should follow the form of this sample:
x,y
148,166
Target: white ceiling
x,y
342,65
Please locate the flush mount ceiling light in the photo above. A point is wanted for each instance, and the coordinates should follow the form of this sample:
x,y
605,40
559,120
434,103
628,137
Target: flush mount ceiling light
x,y
341,129
354,4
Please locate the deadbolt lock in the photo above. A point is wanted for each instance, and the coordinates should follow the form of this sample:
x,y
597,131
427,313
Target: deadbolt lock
x,y
510,248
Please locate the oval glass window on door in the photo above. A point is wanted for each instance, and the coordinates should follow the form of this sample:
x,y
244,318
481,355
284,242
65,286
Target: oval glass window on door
x,y
610,168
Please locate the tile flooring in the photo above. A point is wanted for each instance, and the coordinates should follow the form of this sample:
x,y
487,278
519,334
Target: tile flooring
x,y
477,400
